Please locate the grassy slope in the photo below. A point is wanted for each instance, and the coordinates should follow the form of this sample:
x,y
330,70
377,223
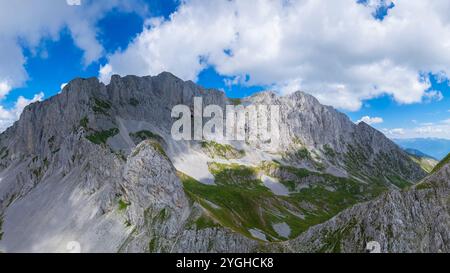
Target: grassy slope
x,y
225,151
144,135
154,139
427,164
441,164
102,136
241,202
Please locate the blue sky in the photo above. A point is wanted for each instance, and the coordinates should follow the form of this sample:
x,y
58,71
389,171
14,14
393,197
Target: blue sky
x,y
408,107
57,62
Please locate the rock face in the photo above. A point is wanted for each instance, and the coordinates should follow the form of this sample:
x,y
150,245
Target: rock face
x,y
97,165
416,220
332,140
158,206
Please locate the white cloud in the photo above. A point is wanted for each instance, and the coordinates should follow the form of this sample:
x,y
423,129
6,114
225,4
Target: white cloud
x,y
335,50
429,130
433,95
62,87
30,23
73,2
427,123
27,24
395,132
446,121
9,116
4,89
370,120
378,3
105,73
439,129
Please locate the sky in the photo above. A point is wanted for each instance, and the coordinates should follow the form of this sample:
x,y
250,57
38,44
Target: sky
x,y
379,61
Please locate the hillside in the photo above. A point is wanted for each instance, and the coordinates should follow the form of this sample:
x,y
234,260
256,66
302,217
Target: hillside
x,y
414,220
425,161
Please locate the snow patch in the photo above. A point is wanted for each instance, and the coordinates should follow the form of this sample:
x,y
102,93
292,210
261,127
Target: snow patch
x,y
282,229
274,185
257,234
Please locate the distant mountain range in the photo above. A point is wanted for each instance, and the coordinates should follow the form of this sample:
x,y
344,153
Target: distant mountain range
x,y
417,153
434,147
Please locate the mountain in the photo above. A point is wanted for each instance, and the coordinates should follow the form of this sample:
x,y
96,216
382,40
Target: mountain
x,y
415,220
435,147
417,153
97,165
441,164
425,161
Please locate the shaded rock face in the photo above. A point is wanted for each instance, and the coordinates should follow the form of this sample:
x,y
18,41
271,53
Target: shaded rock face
x,y
70,169
416,220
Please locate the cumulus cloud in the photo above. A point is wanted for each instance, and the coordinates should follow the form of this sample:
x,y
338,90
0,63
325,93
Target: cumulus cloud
x,y
433,95
27,23
9,116
395,132
335,50
440,129
4,89
370,120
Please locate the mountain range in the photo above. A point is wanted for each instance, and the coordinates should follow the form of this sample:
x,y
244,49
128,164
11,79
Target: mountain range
x,y
96,165
435,147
